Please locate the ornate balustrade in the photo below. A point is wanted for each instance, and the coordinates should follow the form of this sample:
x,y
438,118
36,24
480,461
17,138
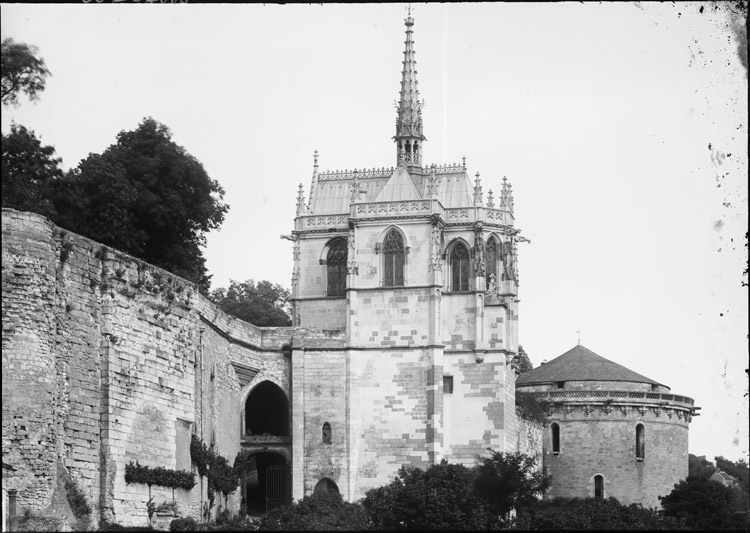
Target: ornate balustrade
x,y
614,395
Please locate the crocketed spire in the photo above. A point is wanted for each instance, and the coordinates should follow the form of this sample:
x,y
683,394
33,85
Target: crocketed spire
x,y
409,135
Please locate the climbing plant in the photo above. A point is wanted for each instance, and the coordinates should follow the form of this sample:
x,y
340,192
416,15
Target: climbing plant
x,y
221,476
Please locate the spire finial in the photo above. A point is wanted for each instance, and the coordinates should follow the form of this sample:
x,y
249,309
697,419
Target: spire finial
x,y
300,201
464,164
579,336
477,190
490,199
315,160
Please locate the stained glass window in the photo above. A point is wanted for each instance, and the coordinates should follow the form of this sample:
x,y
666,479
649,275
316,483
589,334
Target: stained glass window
x,y
336,264
393,259
460,268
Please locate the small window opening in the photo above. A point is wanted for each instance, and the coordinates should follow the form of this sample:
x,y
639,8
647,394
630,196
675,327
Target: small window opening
x,y
560,384
326,433
447,384
599,487
640,442
654,387
555,439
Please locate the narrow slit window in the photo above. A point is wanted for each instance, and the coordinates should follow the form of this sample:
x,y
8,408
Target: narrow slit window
x,y
555,438
599,487
447,384
326,433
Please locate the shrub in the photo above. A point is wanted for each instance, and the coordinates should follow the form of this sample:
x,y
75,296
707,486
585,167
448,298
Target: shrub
x,y
325,512
592,514
39,522
441,497
183,524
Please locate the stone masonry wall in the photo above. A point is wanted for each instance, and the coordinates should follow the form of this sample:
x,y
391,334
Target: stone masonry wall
x,y
104,358
605,445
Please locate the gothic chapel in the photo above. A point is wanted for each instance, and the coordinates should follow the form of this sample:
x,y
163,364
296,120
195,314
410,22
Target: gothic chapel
x,y
405,281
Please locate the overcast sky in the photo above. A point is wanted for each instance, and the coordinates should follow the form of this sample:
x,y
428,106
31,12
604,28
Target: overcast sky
x,y
622,127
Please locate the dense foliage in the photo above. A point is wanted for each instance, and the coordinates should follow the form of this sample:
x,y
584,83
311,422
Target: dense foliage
x,y
530,407
508,481
591,514
324,512
262,304
77,500
164,477
440,498
699,467
28,172
22,72
704,504
146,196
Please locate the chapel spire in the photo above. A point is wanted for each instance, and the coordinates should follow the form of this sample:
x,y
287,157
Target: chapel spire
x,y
409,135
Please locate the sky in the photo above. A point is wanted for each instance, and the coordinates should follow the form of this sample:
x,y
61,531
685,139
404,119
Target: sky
x,y
621,126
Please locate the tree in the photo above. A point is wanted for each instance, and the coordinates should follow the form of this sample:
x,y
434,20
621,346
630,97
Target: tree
x,y
264,304
22,72
28,169
703,504
699,467
524,363
738,469
508,481
440,497
146,196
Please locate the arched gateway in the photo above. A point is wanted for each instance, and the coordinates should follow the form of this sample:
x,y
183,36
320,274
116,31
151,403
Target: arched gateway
x,y
266,446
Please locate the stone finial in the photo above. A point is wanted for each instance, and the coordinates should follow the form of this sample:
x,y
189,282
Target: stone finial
x,y
490,199
301,209
464,162
478,190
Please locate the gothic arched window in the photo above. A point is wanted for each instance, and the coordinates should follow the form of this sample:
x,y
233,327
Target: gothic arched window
x,y
599,487
640,442
491,267
459,268
393,259
336,266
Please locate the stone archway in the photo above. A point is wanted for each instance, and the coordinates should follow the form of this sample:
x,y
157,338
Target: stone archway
x,y
265,483
267,411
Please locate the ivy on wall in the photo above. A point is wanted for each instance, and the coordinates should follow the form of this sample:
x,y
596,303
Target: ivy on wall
x,y
164,477
221,477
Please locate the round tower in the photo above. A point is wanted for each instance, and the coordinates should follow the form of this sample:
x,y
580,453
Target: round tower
x,y
610,432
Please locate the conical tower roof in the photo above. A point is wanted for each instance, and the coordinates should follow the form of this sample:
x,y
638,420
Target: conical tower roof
x,y
581,364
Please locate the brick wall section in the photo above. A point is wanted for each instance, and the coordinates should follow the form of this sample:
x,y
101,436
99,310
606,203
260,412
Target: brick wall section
x,y
114,351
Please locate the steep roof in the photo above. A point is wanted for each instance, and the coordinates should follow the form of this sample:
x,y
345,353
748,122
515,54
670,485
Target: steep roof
x,y
581,364
399,187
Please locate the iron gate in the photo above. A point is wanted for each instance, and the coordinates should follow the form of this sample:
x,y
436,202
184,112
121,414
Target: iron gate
x,y
277,486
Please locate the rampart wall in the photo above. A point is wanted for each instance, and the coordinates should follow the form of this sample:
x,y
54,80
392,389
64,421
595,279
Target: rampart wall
x,y
107,360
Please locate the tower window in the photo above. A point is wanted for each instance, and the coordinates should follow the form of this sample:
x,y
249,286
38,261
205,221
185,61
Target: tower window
x,y
326,433
598,487
560,384
459,263
336,268
555,438
393,259
640,442
447,384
